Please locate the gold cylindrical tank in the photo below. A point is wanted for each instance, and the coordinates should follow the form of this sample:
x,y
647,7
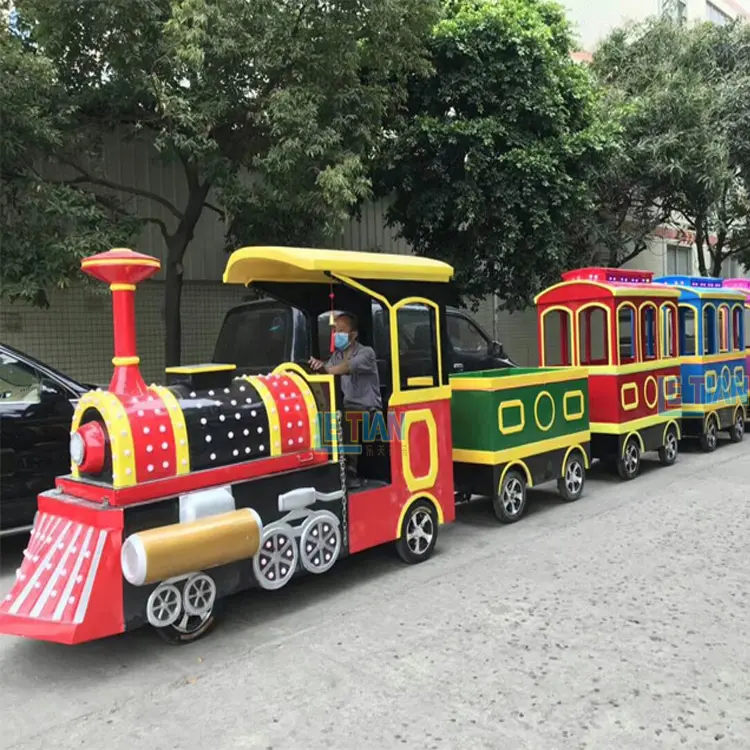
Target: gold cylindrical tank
x,y
181,548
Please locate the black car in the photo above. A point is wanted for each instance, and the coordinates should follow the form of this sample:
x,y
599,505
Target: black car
x,y
36,411
259,334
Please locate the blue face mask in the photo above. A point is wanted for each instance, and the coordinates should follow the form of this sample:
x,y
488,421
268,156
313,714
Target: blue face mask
x,y
340,340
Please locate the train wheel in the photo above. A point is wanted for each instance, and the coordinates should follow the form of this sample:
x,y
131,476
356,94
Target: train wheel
x,y
276,562
509,503
320,542
419,531
193,615
737,431
668,451
570,484
630,463
710,439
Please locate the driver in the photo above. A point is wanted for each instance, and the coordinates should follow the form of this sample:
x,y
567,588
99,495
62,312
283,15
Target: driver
x,y
360,382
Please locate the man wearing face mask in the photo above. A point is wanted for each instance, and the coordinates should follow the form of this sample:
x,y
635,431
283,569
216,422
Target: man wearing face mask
x,y
360,382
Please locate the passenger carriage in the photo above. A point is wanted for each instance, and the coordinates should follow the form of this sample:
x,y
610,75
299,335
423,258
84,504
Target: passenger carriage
x,y
622,328
743,285
712,349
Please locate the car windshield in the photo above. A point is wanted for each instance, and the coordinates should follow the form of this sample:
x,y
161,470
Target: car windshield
x,y
256,335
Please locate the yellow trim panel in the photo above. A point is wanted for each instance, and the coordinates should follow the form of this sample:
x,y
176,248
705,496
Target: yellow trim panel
x,y
511,429
492,458
177,418
426,481
506,382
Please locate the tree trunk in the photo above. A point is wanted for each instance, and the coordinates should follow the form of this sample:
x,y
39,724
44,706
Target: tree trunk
x,y
699,240
172,308
717,258
176,247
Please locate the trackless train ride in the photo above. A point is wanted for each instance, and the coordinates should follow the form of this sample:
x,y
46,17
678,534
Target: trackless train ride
x,y
181,495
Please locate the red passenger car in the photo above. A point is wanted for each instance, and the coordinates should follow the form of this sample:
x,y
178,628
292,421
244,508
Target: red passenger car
x,y
624,329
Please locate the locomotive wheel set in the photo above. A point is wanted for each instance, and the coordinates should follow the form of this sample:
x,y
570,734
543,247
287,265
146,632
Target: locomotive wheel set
x,y
182,495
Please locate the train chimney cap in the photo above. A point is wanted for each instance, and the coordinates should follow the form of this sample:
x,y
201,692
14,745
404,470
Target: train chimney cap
x,y
120,266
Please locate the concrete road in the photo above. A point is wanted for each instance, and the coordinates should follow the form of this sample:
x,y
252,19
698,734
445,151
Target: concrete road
x,y
620,621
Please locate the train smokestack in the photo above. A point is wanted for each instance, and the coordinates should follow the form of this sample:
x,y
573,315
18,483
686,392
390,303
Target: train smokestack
x,y
123,269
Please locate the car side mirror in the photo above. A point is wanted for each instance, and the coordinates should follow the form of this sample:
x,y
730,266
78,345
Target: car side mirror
x,y
496,349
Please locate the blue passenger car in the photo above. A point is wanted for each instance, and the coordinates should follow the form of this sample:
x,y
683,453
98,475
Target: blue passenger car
x,y
711,330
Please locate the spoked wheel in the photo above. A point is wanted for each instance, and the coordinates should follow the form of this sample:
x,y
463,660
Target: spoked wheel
x,y
192,614
630,463
737,431
710,439
668,452
419,531
509,503
570,484
276,562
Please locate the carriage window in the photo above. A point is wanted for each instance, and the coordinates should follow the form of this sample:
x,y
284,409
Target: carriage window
x,y
593,346
558,339
669,331
417,346
737,337
709,330
724,328
648,332
747,328
687,332
626,338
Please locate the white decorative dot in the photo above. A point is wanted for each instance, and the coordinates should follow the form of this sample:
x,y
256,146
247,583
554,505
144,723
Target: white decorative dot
x,y
289,425
260,430
248,401
286,408
37,585
53,593
162,429
210,393
230,435
233,402
285,382
275,427
126,452
71,600
128,471
253,413
125,433
150,398
300,440
208,438
146,430
182,442
235,452
221,417
296,408
247,450
291,442
203,420
184,462
79,579
246,432
140,412
157,411
226,390
261,448
275,384
283,395
300,423
165,445
166,463
149,448
242,388
213,456
150,467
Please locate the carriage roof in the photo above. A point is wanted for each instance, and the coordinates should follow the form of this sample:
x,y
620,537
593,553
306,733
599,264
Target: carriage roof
x,y
313,265
702,288
599,283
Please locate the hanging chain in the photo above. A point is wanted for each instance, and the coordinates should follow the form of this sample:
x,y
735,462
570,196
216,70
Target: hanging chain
x,y
342,469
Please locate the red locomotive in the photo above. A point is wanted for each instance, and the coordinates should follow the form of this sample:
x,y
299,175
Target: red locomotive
x,y
182,494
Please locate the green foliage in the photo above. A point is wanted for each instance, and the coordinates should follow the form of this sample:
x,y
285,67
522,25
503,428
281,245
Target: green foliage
x,y
45,228
271,107
490,168
683,146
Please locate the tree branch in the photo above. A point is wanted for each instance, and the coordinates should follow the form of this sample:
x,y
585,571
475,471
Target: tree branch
x,y
159,223
92,180
216,209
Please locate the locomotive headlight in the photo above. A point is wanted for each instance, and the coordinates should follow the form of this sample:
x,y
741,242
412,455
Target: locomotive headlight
x,y
77,449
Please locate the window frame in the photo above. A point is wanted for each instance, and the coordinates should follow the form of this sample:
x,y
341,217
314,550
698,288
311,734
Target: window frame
x,y
635,338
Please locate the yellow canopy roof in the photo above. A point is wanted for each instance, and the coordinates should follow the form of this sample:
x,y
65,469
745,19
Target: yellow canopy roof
x,y
300,264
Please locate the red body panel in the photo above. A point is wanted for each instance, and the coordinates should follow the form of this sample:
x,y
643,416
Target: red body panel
x,y
69,586
374,515
173,486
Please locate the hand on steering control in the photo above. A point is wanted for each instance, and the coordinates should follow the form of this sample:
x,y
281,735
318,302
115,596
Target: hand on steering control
x,y
315,364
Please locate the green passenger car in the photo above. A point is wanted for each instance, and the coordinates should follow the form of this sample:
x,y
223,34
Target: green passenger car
x,y
518,428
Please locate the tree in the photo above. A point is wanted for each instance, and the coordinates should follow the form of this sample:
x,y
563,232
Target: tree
x,y
683,142
490,167
45,228
269,107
